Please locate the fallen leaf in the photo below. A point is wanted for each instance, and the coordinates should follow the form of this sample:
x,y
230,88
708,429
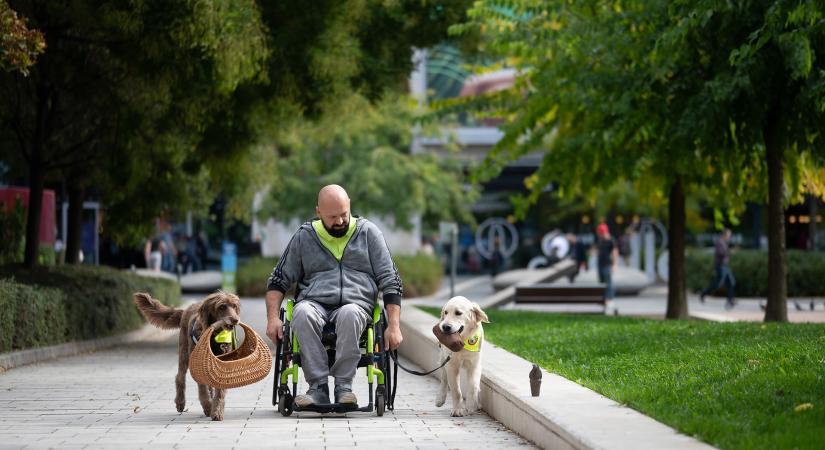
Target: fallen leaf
x,y
803,407
137,408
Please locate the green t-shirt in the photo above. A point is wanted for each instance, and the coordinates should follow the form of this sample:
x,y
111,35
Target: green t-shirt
x,y
334,244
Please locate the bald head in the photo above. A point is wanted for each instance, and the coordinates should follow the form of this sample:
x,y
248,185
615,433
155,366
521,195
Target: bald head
x,y
333,209
332,193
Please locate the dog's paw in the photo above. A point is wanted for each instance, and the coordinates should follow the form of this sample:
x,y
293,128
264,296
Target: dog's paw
x,y
217,416
459,412
180,404
207,411
440,399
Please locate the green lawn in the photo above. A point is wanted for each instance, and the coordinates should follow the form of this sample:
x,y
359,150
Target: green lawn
x,y
733,385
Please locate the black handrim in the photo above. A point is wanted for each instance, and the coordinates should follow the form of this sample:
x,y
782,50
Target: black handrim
x,y
279,354
390,375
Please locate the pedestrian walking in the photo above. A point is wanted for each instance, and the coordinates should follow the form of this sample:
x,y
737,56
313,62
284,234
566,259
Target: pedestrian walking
x,y
579,255
722,272
608,255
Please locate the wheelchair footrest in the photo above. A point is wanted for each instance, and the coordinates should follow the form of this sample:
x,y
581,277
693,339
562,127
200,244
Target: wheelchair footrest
x,y
333,408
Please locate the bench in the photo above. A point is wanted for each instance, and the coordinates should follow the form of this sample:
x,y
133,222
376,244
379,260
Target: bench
x,y
549,293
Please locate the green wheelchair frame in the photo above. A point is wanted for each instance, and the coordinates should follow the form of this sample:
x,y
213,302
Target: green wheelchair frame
x,y
374,359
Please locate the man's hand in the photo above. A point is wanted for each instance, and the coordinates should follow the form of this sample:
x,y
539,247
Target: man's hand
x,y
392,337
274,330
274,326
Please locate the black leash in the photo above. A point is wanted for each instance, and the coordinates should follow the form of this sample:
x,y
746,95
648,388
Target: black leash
x,y
394,356
415,372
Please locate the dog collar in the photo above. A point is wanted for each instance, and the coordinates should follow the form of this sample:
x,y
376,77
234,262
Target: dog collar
x,y
473,343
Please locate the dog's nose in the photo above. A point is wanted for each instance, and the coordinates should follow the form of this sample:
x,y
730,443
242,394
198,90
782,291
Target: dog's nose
x,y
446,328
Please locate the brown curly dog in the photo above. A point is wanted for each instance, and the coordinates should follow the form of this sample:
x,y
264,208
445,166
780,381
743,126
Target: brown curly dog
x,y
219,309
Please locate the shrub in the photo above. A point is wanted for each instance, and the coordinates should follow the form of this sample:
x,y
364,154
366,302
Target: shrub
x,y
750,268
55,304
252,275
421,274
12,231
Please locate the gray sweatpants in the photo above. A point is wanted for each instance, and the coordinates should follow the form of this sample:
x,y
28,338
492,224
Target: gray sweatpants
x,y
308,320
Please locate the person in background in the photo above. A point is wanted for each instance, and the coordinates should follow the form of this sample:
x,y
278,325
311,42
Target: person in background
x,y
153,253
608,255
579,255
721,269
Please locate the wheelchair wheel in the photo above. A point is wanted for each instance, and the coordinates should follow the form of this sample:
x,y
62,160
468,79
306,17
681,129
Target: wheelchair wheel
x,y
380,401
285,404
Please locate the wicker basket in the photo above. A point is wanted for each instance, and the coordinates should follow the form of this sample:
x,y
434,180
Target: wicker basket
x,y
247,364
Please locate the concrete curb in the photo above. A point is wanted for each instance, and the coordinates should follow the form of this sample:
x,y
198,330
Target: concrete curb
x,y
36,355
565,416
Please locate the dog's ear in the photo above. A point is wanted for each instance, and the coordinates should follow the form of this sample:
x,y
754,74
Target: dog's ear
x,y
206,313
235,301
479,315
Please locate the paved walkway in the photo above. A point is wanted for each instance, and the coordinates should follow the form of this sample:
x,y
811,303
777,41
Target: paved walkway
x,y
123,397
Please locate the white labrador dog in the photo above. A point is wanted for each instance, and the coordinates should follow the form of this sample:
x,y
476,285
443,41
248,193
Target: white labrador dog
x,y
460,315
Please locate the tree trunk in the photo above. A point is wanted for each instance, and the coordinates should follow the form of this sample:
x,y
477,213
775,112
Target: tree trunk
x,y
812,225
676,297
74,223
37,177
777,307
36,180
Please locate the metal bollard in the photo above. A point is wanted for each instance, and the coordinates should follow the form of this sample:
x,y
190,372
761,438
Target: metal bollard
x,y
535,380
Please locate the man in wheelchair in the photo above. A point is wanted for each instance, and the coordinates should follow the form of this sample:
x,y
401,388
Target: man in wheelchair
x,y
340,264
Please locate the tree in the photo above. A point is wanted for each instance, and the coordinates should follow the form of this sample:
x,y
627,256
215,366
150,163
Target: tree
x,y
764,99
670,93
19,46
366,148
321,57
588,98
155,106
134,84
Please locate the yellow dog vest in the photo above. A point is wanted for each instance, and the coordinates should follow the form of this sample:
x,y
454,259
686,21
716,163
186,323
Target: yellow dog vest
x,y
473,343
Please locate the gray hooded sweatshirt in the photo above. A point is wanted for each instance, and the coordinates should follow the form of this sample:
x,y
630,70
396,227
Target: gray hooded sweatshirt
x,y
366,268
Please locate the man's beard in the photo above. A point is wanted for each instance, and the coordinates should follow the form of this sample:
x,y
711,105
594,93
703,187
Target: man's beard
x,y
336,231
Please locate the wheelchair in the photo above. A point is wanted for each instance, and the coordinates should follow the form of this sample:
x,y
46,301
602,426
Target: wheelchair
x,y
374,358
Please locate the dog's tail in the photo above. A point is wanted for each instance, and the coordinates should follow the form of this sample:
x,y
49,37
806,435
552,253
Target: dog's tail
x,y
157,313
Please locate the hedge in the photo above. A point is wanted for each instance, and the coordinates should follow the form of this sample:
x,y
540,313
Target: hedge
x,y
252,275
421,275
806,270
55,304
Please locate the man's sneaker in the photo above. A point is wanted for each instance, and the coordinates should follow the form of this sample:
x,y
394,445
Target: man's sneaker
x,y
702,297
729,305
343,394
316,395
